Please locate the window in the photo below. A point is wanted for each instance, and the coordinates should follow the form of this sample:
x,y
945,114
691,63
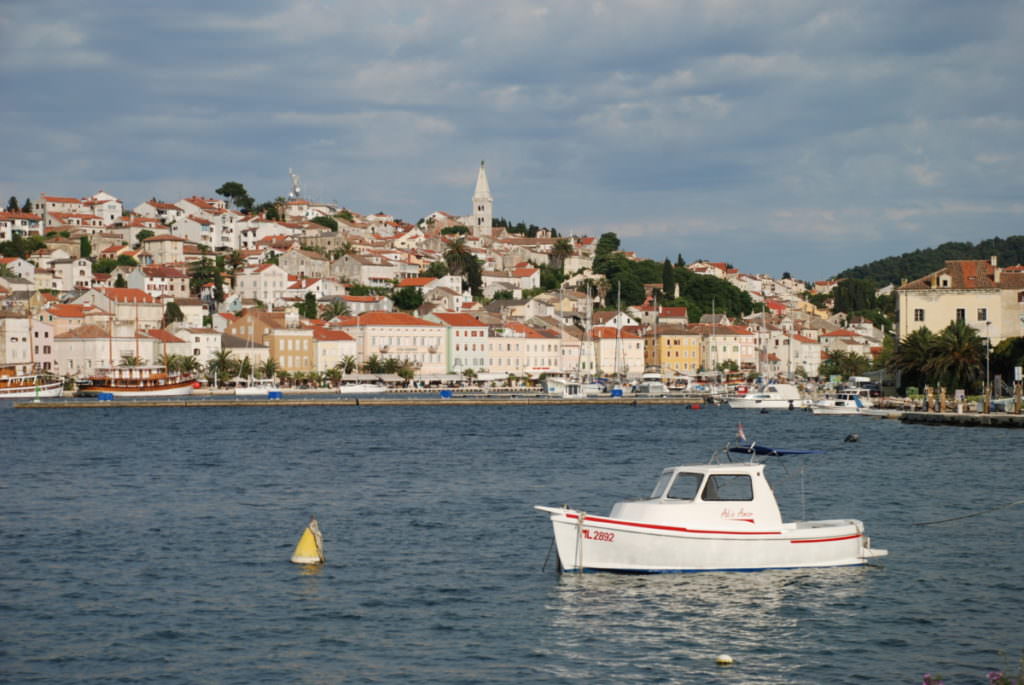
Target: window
x,y
685,486
961,314
728,488
982,314
918,315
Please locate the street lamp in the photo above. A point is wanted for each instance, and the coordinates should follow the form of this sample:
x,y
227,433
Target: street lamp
x,y
988,347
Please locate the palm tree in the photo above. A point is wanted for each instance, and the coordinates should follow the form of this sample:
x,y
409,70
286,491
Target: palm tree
x,y
912,356
373,365
348,363
221,366
268,369
245,367
334,375
458,257
189,364
335,309
957,356
130,360
560,251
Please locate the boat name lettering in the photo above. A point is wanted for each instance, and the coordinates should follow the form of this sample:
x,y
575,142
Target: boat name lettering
x,y
598,535
740,513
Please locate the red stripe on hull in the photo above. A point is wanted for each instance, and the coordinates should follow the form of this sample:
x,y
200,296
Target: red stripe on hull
x,y
844,537
676,529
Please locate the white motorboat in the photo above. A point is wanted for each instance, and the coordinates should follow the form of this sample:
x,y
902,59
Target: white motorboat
x,y
772,396
256,387
839,403
362,388
707,517
647,388
570,388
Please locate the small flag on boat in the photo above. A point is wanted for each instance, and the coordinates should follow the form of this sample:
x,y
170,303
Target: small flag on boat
x,y
310,549
739,432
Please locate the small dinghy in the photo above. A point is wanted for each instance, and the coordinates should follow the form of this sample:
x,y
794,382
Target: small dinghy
x,y
706,517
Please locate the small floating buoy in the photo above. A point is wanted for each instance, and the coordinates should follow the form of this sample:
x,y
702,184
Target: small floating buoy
x,y
723,660
695,406
852,437
310,549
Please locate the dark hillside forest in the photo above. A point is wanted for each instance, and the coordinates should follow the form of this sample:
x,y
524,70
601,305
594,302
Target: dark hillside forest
x,y
913,265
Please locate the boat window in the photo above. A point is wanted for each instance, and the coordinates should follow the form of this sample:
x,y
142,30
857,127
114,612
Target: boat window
x,y
728,488
685,486
661,485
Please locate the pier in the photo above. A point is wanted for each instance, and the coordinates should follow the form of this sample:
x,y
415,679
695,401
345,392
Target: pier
x,y
434,400
992,420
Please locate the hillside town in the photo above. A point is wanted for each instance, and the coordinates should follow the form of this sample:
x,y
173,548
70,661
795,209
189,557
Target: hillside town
x,y
318,292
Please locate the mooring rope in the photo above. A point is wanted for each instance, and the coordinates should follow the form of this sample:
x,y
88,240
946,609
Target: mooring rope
x,y
967,516
579,541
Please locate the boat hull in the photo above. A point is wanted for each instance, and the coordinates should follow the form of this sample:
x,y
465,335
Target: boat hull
x,y
361,389
587,543
169,390
257,391
47,390
753,403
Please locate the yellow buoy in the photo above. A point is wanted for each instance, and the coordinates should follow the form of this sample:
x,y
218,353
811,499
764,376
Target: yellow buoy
x,y
723,660
310,549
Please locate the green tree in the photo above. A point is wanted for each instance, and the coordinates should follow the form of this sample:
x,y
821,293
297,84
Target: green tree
x,y
85,247
668,279
853,295
222,366
845,364
346,215
458,257
142,235
958,357
408,299
373,364
911,357
347,364
308,307
326,222
436,270
130,360
172,313
268,368
12,204
561,250
236,192
27,207
120,282
455,230
336,308
200,273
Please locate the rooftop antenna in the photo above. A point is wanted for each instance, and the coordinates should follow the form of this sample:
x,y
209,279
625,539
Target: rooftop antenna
x,y
296,191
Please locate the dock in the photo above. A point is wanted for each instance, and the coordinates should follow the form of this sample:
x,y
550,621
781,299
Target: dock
x,y
534,399
992,420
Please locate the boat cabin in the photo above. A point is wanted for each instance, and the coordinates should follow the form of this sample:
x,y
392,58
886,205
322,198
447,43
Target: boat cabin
x,y
727,497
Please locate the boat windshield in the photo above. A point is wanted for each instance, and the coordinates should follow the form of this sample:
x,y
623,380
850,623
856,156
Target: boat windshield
x,y
661,485
685,486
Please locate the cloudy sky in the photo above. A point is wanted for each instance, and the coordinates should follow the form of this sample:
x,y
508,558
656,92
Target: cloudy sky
x,y
779,136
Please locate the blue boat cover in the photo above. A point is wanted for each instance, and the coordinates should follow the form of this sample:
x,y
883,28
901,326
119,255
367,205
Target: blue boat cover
x,y
754,448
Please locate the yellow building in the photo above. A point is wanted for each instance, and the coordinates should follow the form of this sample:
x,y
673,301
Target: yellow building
x,y
676,350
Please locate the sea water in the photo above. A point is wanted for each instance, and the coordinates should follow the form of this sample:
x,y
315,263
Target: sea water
x,y
152,545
